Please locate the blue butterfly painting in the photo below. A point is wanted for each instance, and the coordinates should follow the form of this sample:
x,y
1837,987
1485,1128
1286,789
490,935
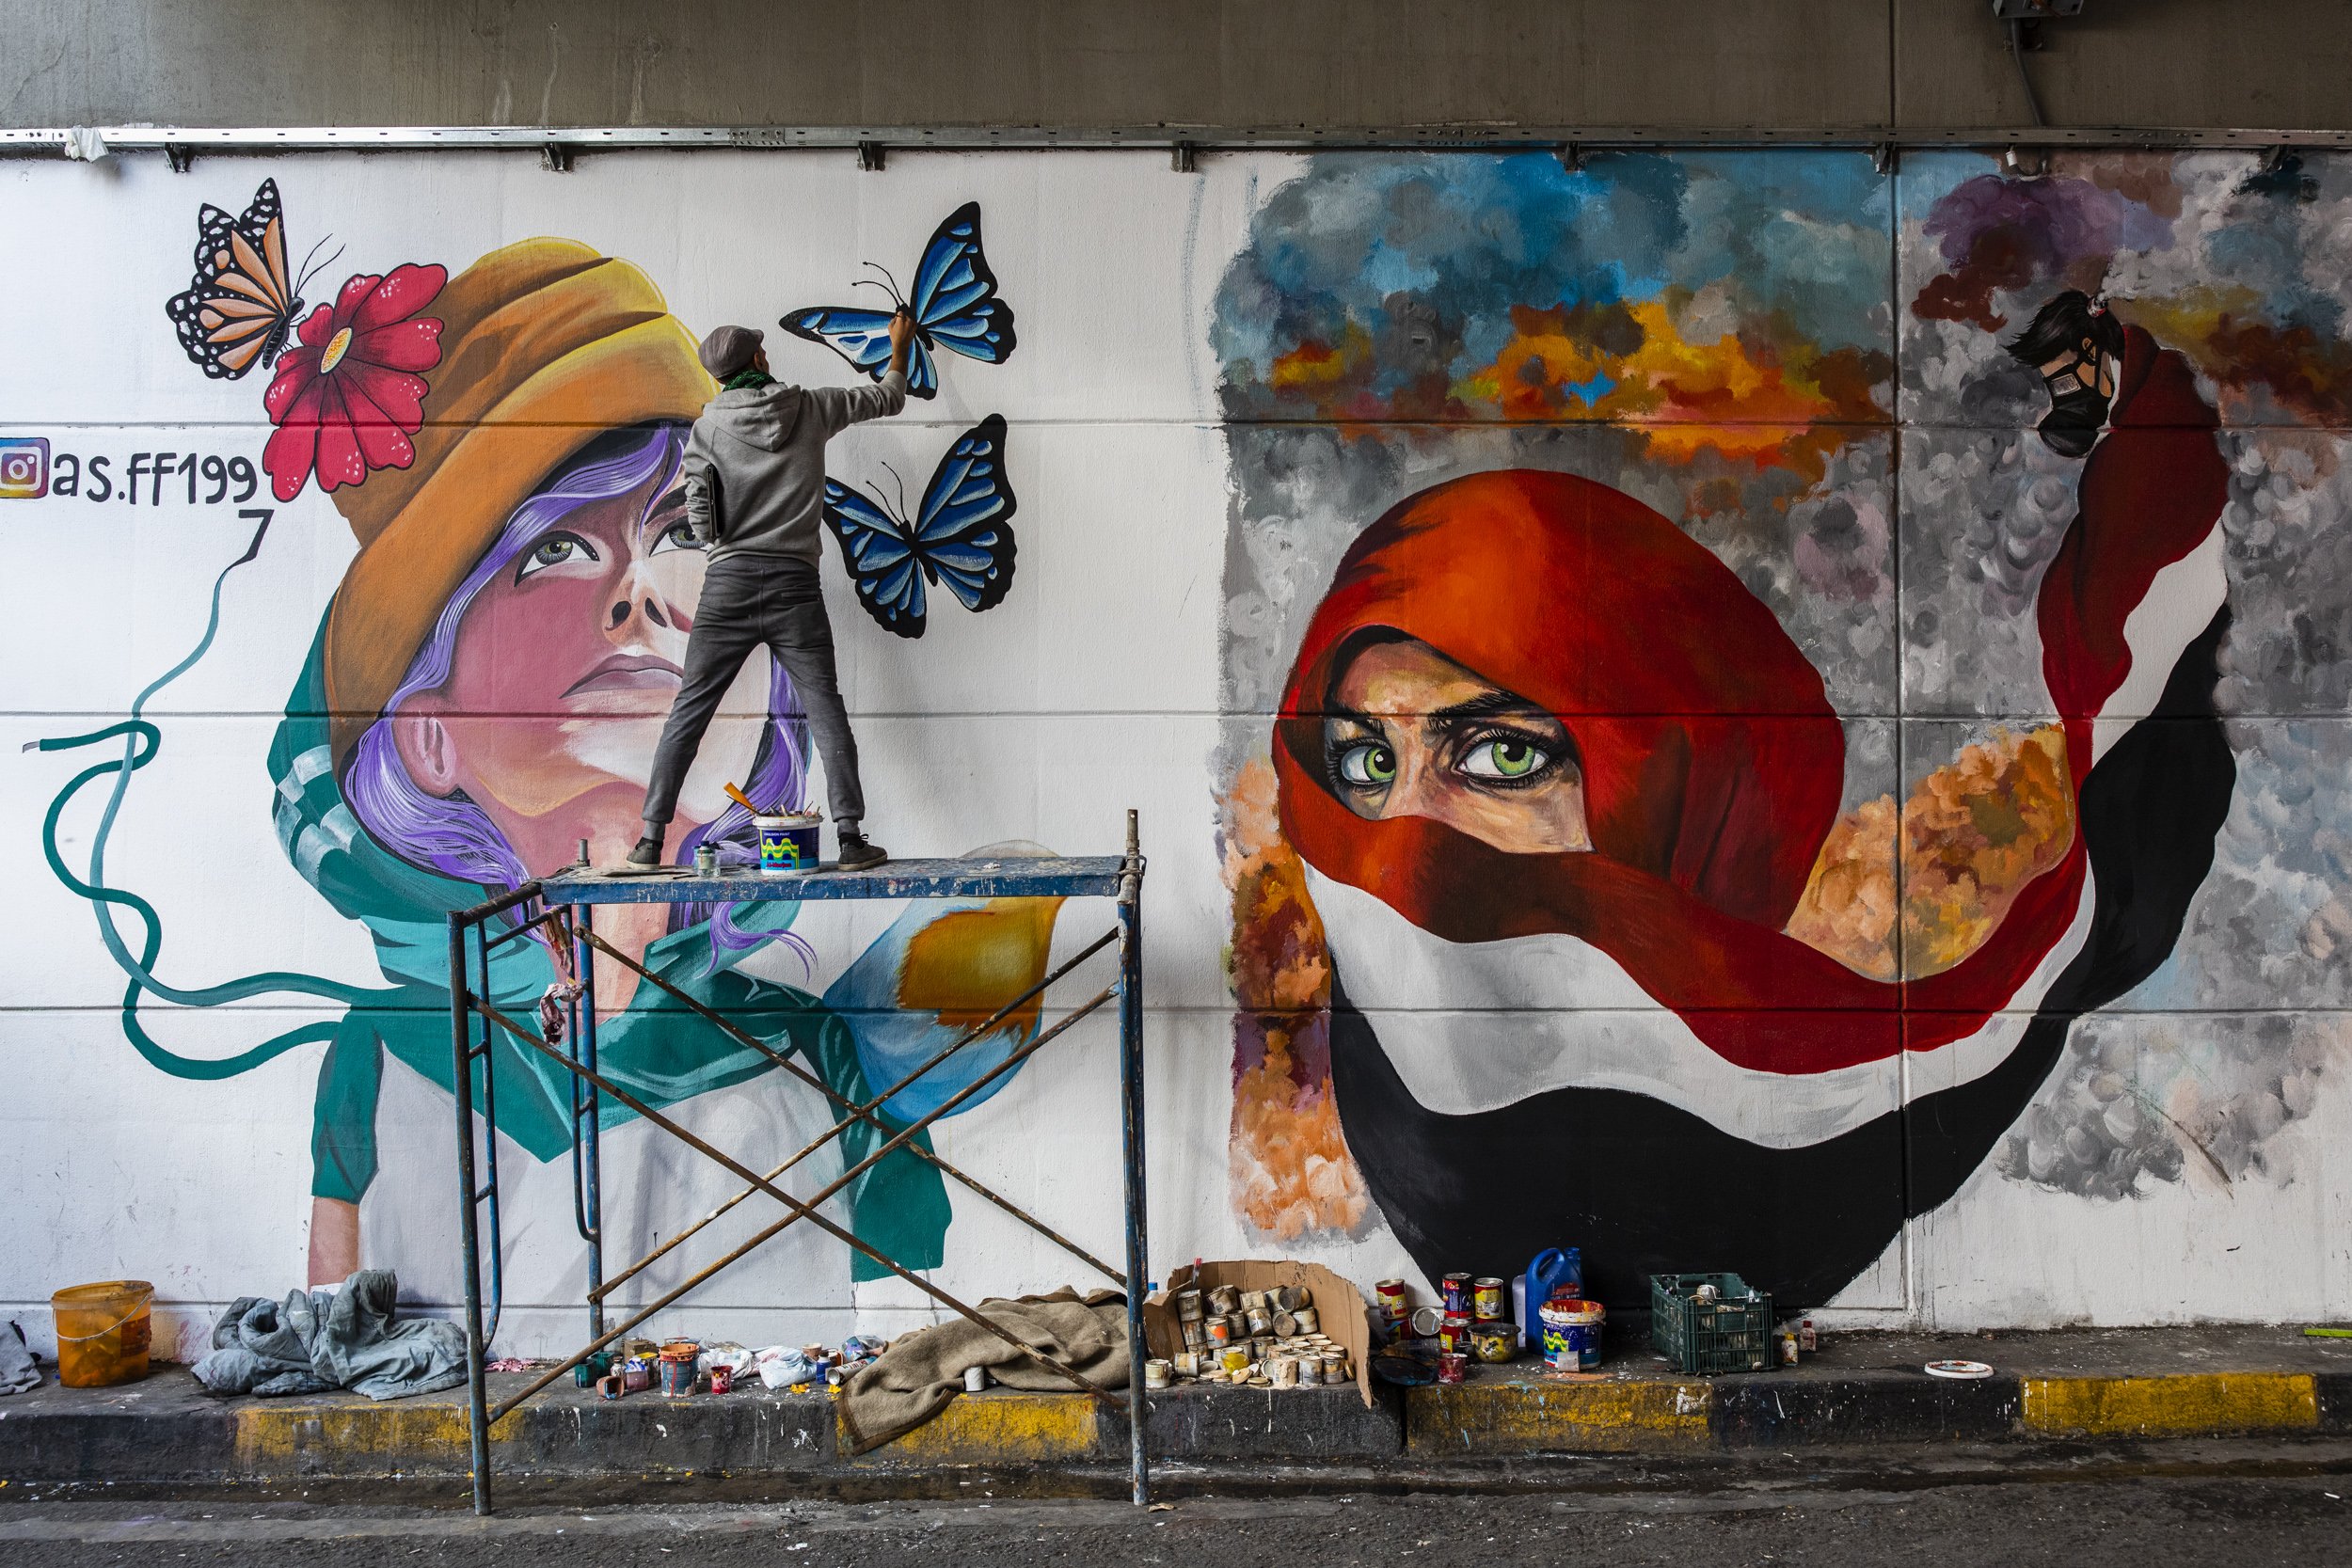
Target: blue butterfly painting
x,y
954,304
958,536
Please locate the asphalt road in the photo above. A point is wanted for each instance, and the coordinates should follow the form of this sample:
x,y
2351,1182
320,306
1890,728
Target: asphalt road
x,y
2147,1522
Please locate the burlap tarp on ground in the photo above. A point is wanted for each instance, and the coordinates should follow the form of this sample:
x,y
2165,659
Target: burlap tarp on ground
x,y
912,1380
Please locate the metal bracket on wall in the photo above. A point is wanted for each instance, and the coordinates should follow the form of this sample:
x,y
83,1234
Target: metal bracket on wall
x,y
180,155
1885,157
556,158
1571,155
869,157
2026,163
1181,158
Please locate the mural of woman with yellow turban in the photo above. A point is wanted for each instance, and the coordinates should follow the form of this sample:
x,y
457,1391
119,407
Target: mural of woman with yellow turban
x,y
484,692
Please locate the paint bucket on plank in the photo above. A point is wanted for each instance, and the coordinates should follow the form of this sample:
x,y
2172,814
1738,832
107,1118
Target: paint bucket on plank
x,y
1494,1342
1486,1300
1571,1335
1452,1368
103,1332
787,843
1155,1374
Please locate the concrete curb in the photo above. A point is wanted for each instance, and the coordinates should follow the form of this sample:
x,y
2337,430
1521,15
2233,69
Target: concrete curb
x,y
169,1431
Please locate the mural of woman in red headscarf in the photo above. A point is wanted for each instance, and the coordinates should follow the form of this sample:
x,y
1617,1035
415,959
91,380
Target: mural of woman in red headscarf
x,y
1559,780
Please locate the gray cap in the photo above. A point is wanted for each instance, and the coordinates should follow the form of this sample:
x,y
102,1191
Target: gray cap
x,y
728,350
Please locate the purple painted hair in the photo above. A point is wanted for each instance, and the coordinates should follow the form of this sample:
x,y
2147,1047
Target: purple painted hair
x,y
454,836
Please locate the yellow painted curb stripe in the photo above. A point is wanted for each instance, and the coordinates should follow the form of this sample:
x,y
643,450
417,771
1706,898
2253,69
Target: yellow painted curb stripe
x,y
995,1426
267,1436
2205,1402
1596,1418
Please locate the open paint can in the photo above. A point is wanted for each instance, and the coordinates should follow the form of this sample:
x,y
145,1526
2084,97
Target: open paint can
x,y
1571,1335
788,844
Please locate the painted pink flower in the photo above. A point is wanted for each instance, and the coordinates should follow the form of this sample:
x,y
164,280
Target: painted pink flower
x,y
346,400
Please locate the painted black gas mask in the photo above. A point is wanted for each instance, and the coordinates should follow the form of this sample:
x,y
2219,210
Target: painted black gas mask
x,y
2078,410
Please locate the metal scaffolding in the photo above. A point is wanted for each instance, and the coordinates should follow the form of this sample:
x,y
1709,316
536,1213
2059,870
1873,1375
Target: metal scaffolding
x,y
560,912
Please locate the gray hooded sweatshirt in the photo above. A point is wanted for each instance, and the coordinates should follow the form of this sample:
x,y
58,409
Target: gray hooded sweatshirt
x,y
756,464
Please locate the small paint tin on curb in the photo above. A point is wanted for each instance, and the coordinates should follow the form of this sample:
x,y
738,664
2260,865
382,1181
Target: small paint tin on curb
x,y
1224,1300
1453,1369
721,1378
706,859
975,1379
1963,1370
1456,1288
1261,1321
1486,1300
1237,1358
787,843
1426,1321
1155,1374
1220,1332
1453,1335
677,1373
1494,1342
1309,1322
1188,1306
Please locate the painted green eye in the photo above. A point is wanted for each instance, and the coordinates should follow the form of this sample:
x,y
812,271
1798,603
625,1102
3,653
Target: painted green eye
x,y
1369,765
556,550
1507,758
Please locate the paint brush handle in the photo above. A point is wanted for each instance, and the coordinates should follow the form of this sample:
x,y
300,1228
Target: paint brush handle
x,y
744,800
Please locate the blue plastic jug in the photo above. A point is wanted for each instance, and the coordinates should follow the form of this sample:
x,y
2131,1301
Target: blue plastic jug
x,y
1555,1272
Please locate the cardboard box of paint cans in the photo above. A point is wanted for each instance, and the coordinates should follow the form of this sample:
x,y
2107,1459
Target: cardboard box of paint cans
x,y
1273,1324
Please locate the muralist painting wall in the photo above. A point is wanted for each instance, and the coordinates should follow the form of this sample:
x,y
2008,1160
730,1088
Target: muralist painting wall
x,y
1733,710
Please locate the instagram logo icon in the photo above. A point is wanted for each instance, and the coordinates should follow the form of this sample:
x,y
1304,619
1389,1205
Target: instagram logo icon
x,y
24,467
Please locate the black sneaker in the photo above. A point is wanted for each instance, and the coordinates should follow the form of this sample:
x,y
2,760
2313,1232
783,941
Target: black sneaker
x,y
859,855
647,852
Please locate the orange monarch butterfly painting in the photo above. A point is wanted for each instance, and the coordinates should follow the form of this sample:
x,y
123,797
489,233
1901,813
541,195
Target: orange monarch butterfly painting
x,y
240,306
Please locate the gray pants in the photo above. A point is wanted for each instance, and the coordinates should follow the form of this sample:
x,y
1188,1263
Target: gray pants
x,y
747,601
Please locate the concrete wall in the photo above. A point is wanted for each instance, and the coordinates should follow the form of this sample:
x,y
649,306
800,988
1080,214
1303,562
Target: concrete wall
x,y
1918,65
1886,852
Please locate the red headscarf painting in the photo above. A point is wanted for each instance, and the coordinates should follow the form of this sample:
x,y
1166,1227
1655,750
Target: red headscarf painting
x,y
1617,1041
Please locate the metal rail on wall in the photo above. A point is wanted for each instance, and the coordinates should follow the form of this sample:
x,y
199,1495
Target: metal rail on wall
x,y
559,910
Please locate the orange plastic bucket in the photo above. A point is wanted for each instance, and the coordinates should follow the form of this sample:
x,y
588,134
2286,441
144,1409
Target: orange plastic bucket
x,y
103,1332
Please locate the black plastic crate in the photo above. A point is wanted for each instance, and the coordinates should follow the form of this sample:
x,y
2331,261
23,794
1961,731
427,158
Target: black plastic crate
x,y
1731,1334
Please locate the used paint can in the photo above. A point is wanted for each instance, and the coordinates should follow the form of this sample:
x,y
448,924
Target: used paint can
x,y
1261,1321
1487,1299
1335,1369
1456,1289
1454,1334
1220,1331
975,1379
721,1378
1155,1374
609,1387
1307,1320
1494,1341
1224,1300
1453,1369
1285,1325
1188,1306
1282,1372
706,859
1426,1321
1237,1358
1290,1298
636,1375
1395,1302
677,1372
788,844
1571,1335
1188,1363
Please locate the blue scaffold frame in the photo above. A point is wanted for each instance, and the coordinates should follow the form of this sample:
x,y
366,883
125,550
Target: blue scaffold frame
x,y
560,908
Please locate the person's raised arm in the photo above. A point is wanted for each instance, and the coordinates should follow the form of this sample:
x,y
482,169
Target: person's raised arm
x,y
840,406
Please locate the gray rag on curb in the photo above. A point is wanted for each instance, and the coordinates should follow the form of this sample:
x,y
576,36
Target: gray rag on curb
x,y
315,1340
19,1371
914,1380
